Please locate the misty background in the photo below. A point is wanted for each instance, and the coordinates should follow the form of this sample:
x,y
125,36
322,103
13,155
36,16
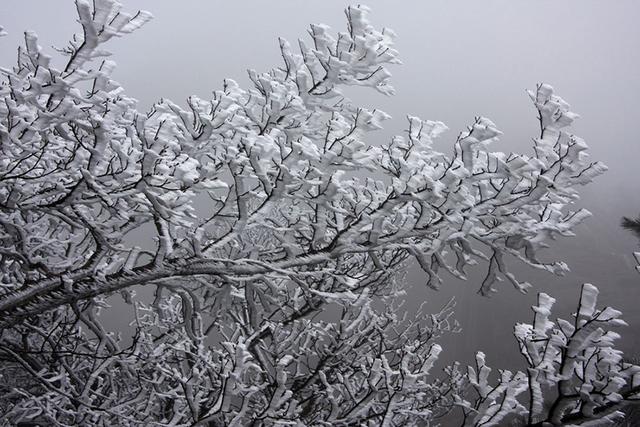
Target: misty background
x,y
461,59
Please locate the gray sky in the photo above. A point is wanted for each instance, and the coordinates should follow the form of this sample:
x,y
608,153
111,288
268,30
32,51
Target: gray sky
x,y
461,59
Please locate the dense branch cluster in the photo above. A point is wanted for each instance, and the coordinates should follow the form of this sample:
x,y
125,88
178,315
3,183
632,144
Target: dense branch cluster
x,y
574,374
269,208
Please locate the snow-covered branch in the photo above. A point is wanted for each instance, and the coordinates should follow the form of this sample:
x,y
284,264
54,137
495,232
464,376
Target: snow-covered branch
x,y
266,181
270,207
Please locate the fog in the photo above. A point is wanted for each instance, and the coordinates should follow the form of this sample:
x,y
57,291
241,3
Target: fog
x,y
461,59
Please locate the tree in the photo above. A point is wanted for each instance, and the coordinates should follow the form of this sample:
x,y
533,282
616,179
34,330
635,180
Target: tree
x,y
269,208
633,225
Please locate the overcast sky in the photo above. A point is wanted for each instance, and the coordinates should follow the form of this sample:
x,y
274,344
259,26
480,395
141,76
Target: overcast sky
x,y
461,59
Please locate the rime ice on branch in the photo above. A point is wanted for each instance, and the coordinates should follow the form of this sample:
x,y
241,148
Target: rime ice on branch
x,y
278,166
261,220
574,374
